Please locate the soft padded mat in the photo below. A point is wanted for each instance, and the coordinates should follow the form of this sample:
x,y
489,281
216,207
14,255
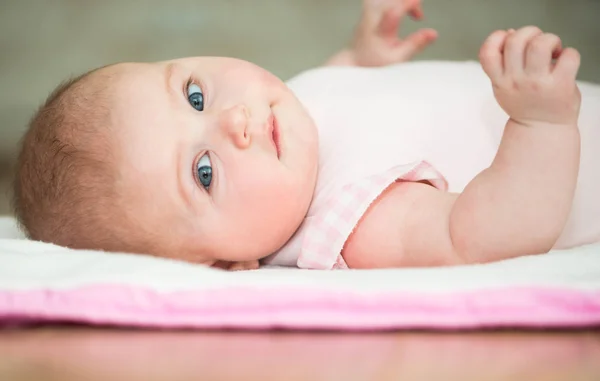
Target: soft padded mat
x,y
46,283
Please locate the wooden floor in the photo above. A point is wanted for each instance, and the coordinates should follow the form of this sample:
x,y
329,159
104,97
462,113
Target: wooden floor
x,y
67,354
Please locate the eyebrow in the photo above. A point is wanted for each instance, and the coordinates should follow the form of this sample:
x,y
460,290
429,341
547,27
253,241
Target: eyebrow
x,y
169,74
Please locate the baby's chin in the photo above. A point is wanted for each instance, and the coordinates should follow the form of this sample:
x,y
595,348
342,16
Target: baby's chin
x,y
268,242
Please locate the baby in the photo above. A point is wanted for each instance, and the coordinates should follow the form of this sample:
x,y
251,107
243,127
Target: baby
x,y
216,161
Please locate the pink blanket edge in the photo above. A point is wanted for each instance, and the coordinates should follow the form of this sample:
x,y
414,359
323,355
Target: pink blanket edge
x,y
119,305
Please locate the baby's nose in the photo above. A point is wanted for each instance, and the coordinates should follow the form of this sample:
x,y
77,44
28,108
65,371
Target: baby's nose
x,y
234,123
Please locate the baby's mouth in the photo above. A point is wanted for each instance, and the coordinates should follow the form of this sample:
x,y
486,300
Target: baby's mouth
x,y
275,134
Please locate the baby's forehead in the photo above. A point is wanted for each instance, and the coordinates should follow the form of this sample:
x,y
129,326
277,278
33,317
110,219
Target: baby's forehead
x,y
119,77
140,107
127,91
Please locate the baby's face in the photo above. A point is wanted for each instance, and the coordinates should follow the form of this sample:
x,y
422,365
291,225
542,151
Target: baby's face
x,y
217,156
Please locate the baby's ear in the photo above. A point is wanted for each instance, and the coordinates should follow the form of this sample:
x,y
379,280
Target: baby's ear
x,y
247,265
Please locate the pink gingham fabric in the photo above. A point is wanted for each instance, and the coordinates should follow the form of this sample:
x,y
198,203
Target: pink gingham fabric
x,y
327,232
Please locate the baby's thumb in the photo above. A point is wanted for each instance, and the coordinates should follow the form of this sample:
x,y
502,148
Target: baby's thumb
x,y
413,44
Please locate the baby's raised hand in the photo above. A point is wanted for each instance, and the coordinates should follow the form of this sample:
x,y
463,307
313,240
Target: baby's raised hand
x,y
376,41
533,76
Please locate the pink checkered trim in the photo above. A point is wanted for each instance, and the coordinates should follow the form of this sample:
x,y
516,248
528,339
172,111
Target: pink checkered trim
x,y
326,233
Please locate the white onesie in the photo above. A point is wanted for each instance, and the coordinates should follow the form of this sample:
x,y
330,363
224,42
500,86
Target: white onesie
x,y
434,121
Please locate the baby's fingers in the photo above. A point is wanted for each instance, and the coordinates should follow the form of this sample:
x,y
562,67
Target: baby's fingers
x,y
413,44
516,44
538,59
491,54
387,15
241,266
390,23
568,63
416,10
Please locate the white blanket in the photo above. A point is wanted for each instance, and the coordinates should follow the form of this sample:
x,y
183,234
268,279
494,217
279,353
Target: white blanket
x,y
46,283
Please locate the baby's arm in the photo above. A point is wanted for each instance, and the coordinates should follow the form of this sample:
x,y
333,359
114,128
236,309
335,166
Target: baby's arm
x,y
520,204
376,41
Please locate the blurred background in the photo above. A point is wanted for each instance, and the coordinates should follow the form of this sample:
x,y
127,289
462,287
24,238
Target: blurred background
x,y
43,42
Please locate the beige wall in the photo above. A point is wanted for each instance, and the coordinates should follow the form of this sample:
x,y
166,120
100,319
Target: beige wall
x,y
44,41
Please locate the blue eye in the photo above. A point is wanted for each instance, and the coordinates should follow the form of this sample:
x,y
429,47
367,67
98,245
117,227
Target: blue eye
x,y
195,96
204,171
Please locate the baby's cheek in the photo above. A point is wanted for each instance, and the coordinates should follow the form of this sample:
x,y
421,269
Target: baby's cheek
x,y
246,72
269,203
270,80
263,79
261,218
267,192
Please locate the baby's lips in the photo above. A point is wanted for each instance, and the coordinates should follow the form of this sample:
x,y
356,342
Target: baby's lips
x,y
276,135
273,133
